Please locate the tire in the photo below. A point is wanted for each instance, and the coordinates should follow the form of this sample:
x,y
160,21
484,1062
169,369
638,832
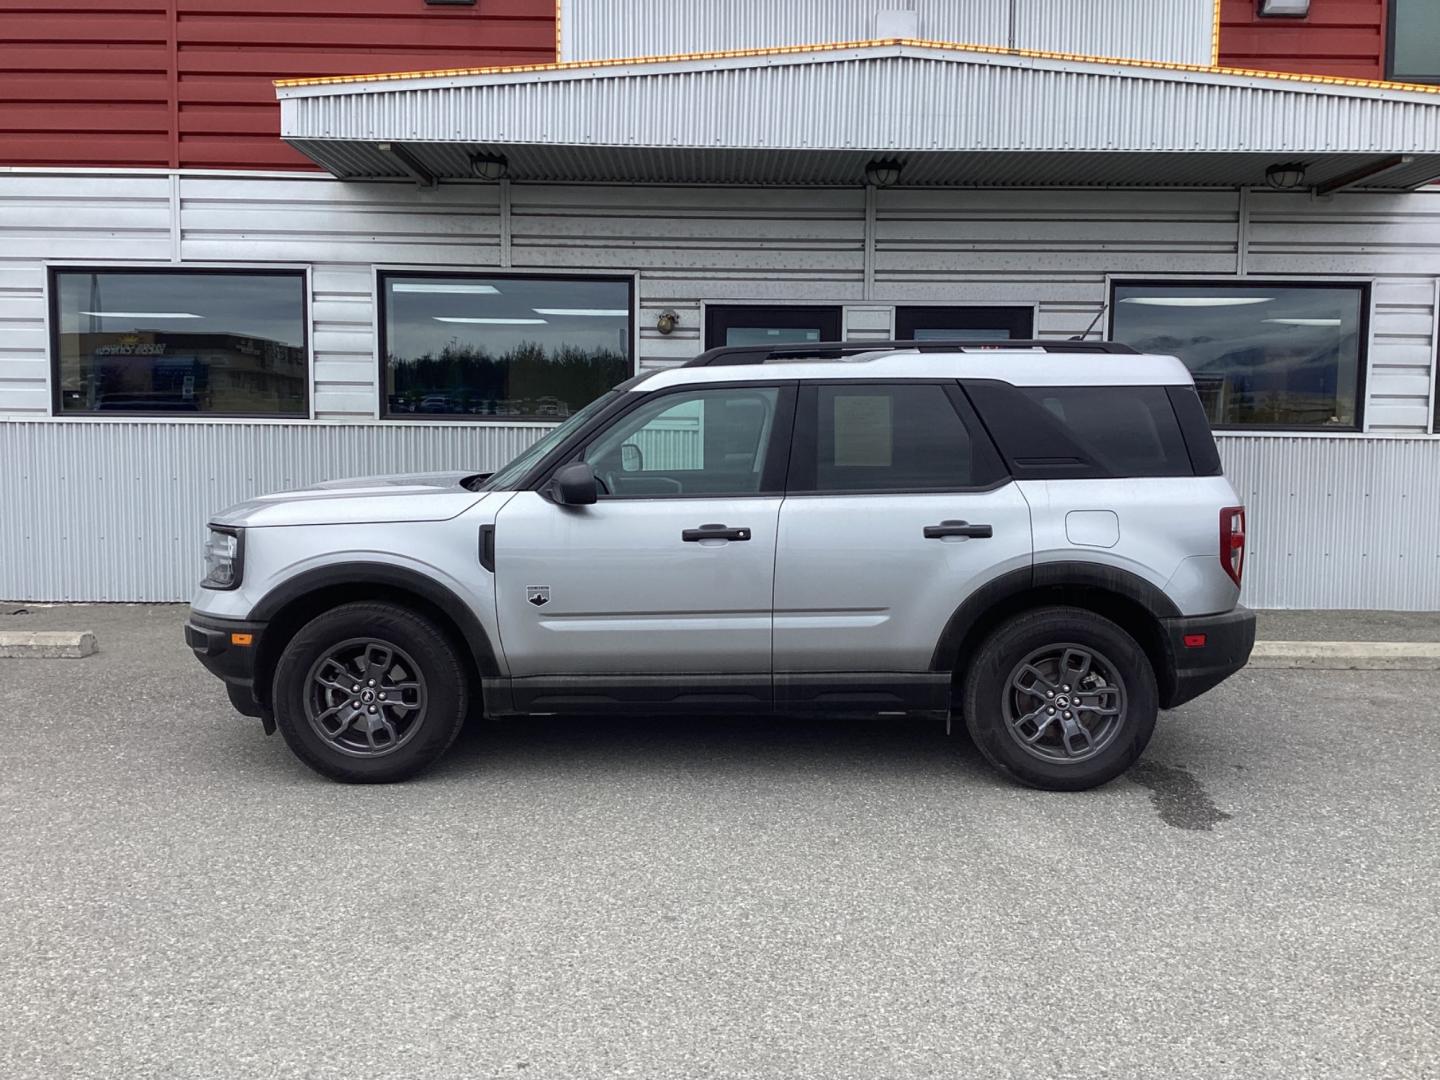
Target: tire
x,y
354,714
1034,663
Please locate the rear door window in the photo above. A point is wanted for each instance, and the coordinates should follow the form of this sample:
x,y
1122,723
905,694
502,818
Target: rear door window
x,y
1055,432
864,437
1131,430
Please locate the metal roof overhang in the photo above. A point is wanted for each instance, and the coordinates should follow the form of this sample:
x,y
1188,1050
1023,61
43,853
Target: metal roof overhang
x,y
954,115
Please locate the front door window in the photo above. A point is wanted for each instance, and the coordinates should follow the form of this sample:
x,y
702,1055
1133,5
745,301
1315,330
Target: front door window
x,y
709,442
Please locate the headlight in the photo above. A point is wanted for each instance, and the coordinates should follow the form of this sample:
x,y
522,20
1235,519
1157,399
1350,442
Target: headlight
x,y
224,558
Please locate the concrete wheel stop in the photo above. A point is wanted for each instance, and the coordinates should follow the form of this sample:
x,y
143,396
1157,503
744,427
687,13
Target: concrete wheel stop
x,y
46,644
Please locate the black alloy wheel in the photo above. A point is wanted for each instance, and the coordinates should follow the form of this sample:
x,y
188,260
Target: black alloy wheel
x,y
371,692
366,697
1060,698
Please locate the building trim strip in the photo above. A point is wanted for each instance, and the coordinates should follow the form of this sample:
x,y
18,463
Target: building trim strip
x,y
287,87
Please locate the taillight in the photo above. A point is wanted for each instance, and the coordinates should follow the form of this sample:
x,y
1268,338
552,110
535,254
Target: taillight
x,y
1232,541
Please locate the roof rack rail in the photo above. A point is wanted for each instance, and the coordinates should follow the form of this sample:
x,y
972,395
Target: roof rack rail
x,y
733,355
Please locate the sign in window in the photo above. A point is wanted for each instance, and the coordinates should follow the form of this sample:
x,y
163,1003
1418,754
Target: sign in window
x,y
179,342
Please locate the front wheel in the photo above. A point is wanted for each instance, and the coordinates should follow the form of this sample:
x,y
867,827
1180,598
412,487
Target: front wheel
x,y
1060,698
370,693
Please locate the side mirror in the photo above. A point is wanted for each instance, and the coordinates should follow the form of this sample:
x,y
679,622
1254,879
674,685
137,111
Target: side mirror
x,y
631,458
574,485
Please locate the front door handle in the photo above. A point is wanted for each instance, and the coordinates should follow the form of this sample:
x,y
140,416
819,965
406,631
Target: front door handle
x,y
714,532
958,528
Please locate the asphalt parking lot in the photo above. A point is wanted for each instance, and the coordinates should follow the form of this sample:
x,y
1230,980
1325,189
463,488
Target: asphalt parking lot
x,y
179,897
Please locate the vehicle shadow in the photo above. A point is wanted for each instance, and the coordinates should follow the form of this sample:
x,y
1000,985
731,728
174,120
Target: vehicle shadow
x,y
715,743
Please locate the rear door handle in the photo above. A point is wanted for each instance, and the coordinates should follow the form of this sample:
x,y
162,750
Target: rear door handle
x,y
958,528
714,532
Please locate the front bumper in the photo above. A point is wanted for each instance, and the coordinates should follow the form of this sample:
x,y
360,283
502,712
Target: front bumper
x,y
219,645
1192,669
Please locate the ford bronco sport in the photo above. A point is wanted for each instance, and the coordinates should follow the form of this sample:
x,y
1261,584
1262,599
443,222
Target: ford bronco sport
x,y
1033,536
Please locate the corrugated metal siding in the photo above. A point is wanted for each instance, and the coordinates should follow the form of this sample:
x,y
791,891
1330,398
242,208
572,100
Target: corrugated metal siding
x,y
116,511
1175,30
607,29
1338,37
885,98
1178,31
1339,523
188,82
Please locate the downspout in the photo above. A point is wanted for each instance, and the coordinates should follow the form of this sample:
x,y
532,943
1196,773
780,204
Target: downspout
x,y
868,289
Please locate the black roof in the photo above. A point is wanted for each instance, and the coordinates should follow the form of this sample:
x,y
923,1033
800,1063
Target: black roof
x,y
732,355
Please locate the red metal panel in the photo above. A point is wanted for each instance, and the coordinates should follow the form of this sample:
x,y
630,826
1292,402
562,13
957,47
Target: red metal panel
x,y
130,150
188,82
84,82
1338,37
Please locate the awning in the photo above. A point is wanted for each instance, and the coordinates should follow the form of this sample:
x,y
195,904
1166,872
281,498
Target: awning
x,y
952,115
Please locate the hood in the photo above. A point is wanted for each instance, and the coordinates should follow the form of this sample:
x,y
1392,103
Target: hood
x,y
402,497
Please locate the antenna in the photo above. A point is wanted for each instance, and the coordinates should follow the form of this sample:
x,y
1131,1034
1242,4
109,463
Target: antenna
x,y
1100,315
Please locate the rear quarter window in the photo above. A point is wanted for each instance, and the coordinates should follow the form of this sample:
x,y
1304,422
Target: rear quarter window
x,y
1067,432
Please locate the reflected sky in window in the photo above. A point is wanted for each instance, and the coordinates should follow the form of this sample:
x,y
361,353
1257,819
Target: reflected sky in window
x,y
1262,354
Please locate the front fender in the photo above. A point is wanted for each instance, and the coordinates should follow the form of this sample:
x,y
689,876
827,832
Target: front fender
x,y
388,575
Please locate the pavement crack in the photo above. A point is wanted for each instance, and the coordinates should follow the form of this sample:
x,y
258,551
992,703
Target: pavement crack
x,y
1179,798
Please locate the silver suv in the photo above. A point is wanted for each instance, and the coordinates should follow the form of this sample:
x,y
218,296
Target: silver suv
x,y
1036,537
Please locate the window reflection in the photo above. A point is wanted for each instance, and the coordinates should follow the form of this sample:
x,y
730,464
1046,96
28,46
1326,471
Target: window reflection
x,y
192,341
1262,354
1415,40
502,348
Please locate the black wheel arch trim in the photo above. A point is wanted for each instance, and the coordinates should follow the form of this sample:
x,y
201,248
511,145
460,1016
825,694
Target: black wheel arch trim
x,y
1082,575
399,578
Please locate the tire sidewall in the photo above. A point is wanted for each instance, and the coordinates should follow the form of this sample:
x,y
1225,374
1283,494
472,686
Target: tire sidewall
x,y
433,653
986,684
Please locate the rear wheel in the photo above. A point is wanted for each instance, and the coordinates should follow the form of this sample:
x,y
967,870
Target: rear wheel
x,y
370,693
1060,698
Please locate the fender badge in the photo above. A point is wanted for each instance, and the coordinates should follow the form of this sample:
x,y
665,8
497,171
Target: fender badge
x,y
538,595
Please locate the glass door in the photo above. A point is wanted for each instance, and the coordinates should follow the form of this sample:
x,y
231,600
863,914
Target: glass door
x,y
999,323
752,324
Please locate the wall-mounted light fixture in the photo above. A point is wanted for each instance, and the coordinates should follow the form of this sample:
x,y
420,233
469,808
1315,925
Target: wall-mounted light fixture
x,y
490,166
1287,177
883,172
1288,9
666,321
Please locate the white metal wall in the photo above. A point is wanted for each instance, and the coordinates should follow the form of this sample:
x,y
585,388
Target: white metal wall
x,y
1339,523
146,486
1175,30
116,510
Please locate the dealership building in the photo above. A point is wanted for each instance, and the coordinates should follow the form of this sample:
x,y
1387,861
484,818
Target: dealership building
x,y
251,247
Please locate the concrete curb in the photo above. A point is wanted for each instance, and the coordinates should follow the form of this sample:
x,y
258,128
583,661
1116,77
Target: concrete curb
x,y
46,644
1348,655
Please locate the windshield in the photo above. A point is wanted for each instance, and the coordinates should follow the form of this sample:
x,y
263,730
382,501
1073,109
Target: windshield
x,y
511,473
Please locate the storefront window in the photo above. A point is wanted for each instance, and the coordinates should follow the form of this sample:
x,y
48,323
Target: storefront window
x,y
178,342
1414,41
1263,354
501,348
